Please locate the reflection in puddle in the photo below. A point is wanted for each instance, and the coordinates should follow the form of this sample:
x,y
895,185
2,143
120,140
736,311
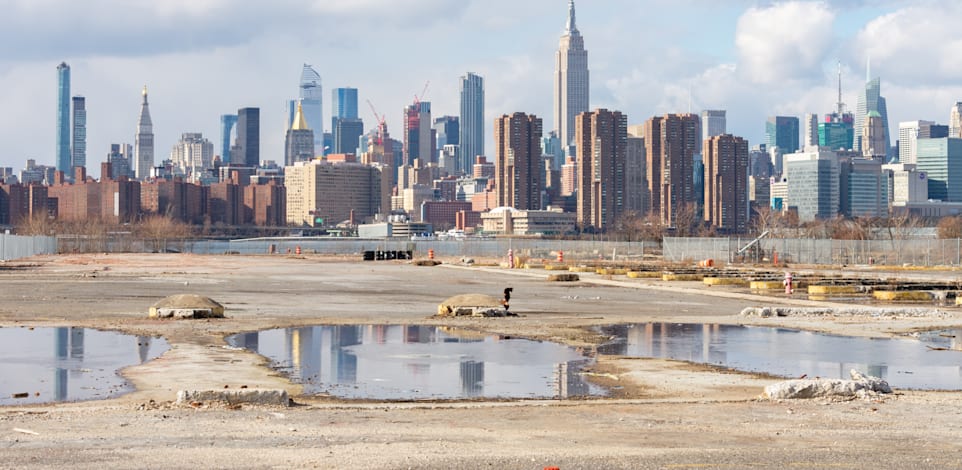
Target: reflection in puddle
x,y
904,363
68,364
397,362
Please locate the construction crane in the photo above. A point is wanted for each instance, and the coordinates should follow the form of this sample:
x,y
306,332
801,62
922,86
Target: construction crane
x,y
424,91
379,133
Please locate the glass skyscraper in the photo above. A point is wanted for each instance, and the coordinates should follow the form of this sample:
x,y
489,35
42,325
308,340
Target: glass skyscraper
x,y
870,99
311,100
344,103
63,118
782,132
227,122
471,120
79,148
346,127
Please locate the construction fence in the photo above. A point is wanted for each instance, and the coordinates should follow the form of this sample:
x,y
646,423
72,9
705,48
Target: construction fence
x,y
912,252
16,246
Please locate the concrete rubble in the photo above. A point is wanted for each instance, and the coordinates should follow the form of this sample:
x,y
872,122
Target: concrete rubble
x,y
235,397
473,305
861,386
181,306
876,312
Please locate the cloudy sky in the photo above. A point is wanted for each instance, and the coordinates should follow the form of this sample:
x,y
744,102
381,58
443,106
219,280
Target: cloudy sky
x,y
204,58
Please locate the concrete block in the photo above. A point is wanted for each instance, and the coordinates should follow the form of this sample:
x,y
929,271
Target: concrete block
x,y
235,397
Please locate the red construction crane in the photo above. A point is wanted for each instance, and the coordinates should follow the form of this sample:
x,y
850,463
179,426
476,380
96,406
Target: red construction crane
x,y
424,91
380,124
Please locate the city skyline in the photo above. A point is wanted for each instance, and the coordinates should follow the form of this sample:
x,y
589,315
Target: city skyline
x,y
733,63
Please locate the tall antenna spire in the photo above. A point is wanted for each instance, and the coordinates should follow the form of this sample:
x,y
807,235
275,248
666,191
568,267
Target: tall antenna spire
x,y
571,28
841,106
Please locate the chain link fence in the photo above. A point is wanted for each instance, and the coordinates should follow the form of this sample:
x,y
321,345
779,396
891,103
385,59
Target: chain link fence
x,y
16,246
914,252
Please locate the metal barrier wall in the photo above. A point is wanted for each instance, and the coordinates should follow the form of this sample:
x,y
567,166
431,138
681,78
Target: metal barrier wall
x,y
16,246
914,252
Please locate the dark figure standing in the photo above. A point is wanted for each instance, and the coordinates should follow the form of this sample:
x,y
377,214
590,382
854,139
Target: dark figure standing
x,y
507,297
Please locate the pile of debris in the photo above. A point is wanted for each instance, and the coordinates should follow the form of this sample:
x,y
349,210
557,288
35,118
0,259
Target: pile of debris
x,y
474,305
861,386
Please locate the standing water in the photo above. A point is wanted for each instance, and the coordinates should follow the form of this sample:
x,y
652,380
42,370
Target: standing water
x,y
43,365
904,363
395,362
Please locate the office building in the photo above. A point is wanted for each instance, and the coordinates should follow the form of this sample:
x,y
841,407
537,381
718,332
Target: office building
x,y
570,80
120,160
310,97
782,132
874,144
870,100
712,123
863,187
519,173
63,118
78,150
726,183
343,103
299,142
670,142
836,134
324,194
144,142
247,147
192,156
941,160
955,121
601,139
471,119
347,135
227,123
813,184
810,134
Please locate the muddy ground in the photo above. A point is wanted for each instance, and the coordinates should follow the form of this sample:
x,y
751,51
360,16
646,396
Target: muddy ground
x,y
664,414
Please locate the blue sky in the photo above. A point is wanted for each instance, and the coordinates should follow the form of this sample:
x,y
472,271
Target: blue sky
x,y
204,58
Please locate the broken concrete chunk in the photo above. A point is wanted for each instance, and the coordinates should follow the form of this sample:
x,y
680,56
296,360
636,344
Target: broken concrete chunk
x,y
186,306
234,397
860,386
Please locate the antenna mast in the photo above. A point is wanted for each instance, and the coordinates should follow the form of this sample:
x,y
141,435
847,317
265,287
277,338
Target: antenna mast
x,y
841,106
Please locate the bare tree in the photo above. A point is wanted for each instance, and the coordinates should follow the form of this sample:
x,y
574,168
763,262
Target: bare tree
x,y
950,227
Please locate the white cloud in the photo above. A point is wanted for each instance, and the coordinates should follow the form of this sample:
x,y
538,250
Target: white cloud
x,y
784,42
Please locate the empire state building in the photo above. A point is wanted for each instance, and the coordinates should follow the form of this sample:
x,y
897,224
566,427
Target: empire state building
x,y
570,80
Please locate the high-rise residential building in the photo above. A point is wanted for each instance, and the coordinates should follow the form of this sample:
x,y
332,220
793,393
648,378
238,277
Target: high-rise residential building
x,y
144,141
519,171
78,150
713,122
671,140
247,148
636,196
192,155
873,137
782,132
299,142
310,97
472,119
570,80
63,118
941,160
601,139
813,183
810,135
870,99
418,135
726,183
955,121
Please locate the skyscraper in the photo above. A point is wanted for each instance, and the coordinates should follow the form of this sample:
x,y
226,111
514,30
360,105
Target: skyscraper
x,y
79,149
519,169
192,155
671,145
310,98
955,121
712,123
471,120
726,183
810,134
418,141
299,144
343,103
570,80
782,132
227,122
247,148
63,118
144,142
601,138
813,187
870,99
873,136
347,134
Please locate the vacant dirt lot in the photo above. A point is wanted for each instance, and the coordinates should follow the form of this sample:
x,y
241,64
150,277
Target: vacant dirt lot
x,y
664,415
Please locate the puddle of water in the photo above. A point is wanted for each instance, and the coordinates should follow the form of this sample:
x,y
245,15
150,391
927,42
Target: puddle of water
x,y
68,364
904,363
399,362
